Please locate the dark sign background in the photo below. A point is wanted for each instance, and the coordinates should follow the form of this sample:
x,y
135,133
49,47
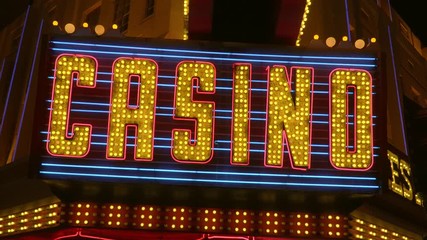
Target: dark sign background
x,y
91,106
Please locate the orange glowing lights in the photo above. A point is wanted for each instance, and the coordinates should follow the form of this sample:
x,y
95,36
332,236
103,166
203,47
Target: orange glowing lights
x,y
333,226
272,223
210,220
146,217
240,221
33,219
178,218
362,229
115,215
83,214
302,224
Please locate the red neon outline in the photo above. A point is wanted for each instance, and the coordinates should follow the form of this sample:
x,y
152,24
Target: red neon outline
x,y
347,140
330,119
249,115
137,107
79,234
194,79
213,236
70,94
284,136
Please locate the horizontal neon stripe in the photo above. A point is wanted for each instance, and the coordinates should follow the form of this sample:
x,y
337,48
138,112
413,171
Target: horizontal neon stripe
x,y
209,172
214,149
131,54
212,180
170,115
211,52
216,141
172,108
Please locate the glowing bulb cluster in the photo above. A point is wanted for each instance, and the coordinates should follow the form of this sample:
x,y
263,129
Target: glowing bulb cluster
x,y
361,157
303,22
302,224
362,229
288,117
30,220
240,127
123,115
333,226
186,17
271,223
60,142
209,220
82,214
178,218
240,221
114,215
198,149
146,217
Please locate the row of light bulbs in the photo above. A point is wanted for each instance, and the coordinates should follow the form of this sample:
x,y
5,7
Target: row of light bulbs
x,y
70,28
99,30
359,43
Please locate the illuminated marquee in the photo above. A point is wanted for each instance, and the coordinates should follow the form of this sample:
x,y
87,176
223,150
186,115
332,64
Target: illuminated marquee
x,y
286,117
400,180
78,142
164,105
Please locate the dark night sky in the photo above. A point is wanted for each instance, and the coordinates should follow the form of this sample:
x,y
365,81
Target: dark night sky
x,y
410,10
11,9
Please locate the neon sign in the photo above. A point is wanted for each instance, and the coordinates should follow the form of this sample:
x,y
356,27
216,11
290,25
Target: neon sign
x,y
156,106
287,118
400,181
